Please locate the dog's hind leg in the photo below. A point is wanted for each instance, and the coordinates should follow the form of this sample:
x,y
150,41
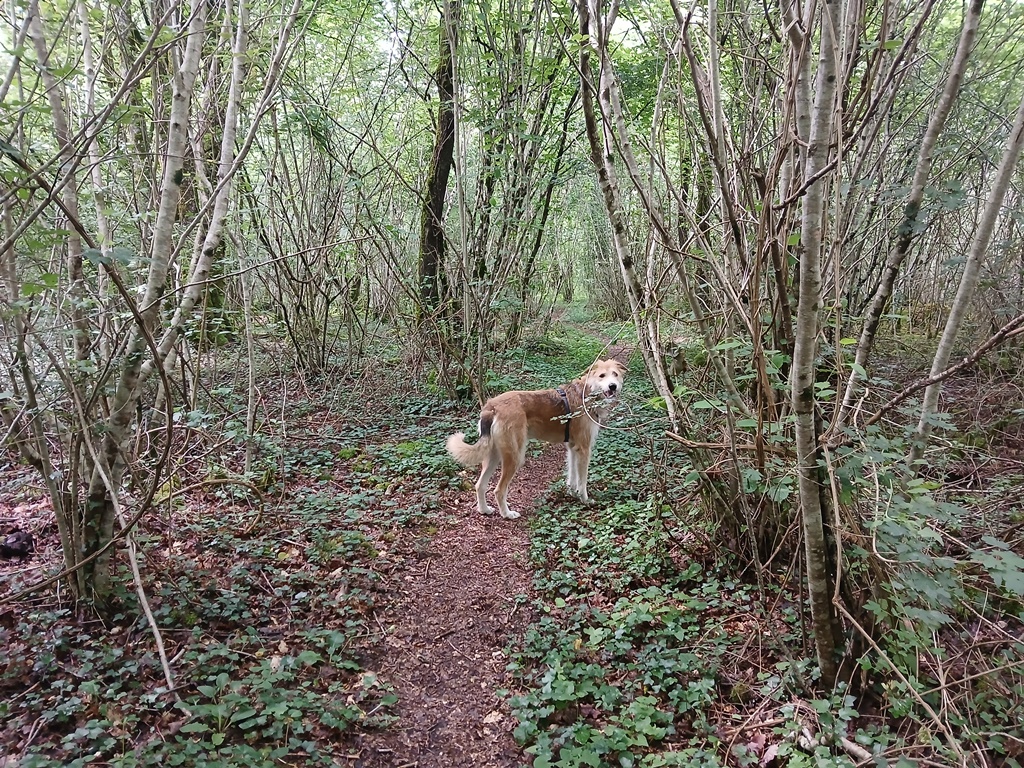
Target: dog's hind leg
x,y
513,455
490,464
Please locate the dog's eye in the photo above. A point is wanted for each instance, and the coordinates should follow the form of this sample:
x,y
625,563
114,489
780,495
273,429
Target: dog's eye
x,y
601,376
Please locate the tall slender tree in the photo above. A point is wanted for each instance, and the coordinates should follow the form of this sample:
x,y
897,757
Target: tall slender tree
x,y
432,231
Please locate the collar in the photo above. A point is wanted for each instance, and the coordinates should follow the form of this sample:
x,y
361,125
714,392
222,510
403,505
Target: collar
x,y
568,410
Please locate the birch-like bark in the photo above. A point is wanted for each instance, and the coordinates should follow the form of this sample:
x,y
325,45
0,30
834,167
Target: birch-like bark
x,y
616,137
250,351
15,57
735,248
64,498
100,511
611,108
808,321
593,29
228,164
202,261
99,195
69,194
137,69
606,175
910,225
969,280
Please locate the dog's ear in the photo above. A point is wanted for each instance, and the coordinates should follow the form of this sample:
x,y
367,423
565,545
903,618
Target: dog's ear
x,y
621,368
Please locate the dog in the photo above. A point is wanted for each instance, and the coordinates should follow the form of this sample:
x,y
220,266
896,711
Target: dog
x,y
571,414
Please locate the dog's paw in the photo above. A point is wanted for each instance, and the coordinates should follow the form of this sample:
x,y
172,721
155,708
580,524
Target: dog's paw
x,y
510,514
579,494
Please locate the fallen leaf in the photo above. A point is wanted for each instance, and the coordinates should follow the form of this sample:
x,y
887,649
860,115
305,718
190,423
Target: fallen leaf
x,y
756,743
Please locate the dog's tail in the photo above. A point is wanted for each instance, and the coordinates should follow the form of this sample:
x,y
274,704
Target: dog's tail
x,y
468,455
471,455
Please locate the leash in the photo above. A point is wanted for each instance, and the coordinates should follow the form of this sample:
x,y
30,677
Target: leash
x,y
568,410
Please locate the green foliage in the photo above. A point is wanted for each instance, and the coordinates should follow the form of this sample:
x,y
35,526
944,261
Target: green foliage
x,y
257,695
266,617
932,594
621,666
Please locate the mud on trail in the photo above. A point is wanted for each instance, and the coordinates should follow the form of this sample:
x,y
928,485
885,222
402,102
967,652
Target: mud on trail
x,y
453,611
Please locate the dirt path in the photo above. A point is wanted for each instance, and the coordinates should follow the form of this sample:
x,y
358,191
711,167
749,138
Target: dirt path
x,y
454,611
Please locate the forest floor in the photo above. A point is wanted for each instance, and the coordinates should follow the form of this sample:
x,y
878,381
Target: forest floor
x,y
446,625
366,532
360,613
448,596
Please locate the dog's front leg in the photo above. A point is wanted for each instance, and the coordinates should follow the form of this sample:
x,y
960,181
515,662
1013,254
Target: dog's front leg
x,y
570,469
582,470
576,477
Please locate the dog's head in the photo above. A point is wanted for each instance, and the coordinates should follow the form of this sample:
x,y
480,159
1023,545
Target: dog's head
x,y
604,378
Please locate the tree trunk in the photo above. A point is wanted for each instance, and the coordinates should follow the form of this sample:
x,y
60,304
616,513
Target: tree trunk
x,y
596,30
69,194
139,365
518,318
969,279
432,237
808,322
99,513
910,226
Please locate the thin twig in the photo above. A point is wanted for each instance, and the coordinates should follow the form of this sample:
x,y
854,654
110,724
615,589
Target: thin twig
x,y
133,555
726,446
910,688
995,340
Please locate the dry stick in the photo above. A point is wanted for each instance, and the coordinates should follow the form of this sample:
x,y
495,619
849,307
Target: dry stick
x,y
856,751
749,723
995,340
140,589
132,549
899,673
723,446
833,487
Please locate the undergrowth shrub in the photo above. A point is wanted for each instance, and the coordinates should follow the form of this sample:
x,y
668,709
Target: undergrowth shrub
x,y
947,608
263,610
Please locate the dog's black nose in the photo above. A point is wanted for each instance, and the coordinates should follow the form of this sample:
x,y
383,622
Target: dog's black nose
x,y
612,387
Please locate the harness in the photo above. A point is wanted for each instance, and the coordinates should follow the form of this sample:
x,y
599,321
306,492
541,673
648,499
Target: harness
x,y
568,410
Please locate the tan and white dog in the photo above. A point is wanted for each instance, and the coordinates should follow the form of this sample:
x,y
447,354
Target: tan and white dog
x,y
571,414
